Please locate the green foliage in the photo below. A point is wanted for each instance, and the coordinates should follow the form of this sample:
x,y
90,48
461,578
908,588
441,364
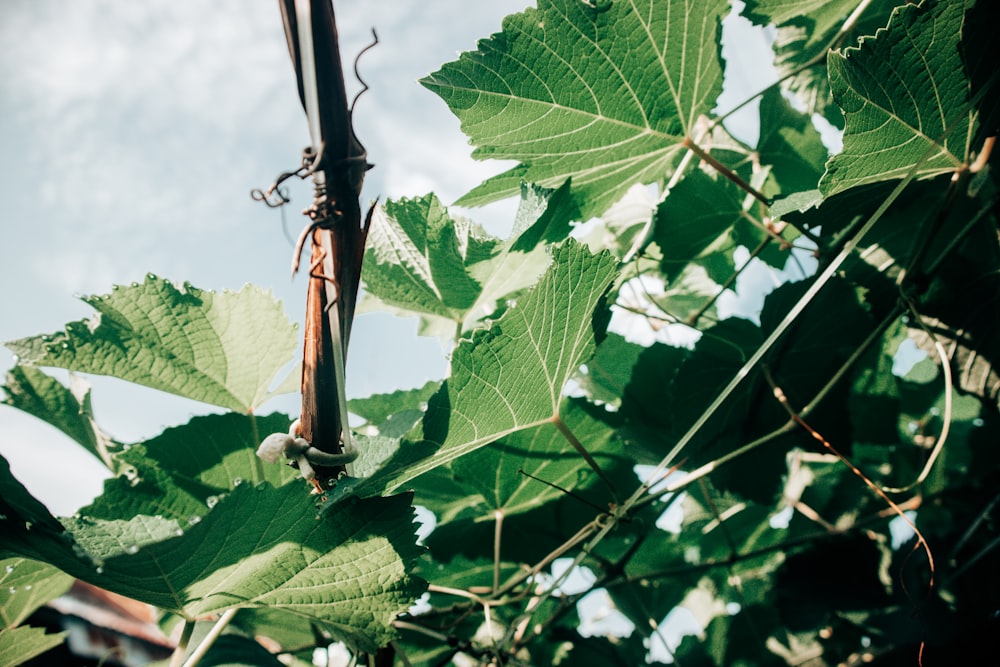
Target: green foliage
x,y
604,98
768,396
26,585
187,342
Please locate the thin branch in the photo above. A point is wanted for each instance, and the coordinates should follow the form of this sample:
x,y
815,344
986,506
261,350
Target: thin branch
x,y
921,542
948,399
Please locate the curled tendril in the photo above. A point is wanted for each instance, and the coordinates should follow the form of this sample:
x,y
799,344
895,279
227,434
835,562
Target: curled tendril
x,y
298,449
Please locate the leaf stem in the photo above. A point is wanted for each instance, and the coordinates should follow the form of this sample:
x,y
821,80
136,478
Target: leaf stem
x,y
497,538
693,318
213,634
578,446
177,658
724,170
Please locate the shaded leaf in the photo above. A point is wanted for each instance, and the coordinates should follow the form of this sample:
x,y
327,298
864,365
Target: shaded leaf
x,y
694,224
18,645
188,342
236,651
603,97
790,144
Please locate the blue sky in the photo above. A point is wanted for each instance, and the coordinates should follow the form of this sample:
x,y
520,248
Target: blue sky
x,y
132,135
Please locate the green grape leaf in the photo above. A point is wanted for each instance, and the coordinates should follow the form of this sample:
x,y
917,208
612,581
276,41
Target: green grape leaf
x,y
189,342
348,571
905,96
231,650
605,98
543,218
805,32
380,407
68,409
176,474
790,144
418,256
605,375
25,585
452,274
694,224
509,377
18,645
463,573
511,474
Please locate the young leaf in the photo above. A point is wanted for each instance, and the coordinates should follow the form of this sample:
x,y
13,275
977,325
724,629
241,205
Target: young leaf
x,y
543,218
188,342
905,95
380,407
604,97
418,255
511,376
457,287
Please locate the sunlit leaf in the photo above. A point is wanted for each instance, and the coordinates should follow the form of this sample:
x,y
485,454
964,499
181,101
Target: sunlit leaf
x,y
511,376
188,342
604,97
450,273
258,547
906,99
66,408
